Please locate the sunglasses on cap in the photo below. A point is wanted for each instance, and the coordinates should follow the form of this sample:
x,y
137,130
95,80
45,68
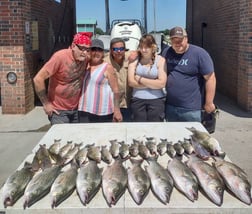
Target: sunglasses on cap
x,y
83,48
118,49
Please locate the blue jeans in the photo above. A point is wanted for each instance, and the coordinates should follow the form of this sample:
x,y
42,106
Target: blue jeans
x,y
64,116
126,113
179,114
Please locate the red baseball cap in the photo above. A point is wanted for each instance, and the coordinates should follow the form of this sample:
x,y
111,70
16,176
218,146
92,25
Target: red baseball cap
x,y
82,38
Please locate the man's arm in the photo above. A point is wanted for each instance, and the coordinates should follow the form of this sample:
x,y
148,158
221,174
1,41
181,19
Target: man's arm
x,y
210,87
113,82
39,84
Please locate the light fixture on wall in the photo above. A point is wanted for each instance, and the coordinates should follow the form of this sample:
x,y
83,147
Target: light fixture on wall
x,y
11,77
203,24
203,27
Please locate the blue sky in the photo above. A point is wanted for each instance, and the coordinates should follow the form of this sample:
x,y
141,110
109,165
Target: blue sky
x,y
168,13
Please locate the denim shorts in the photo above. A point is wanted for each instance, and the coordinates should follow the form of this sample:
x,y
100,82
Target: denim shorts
x,y
179,114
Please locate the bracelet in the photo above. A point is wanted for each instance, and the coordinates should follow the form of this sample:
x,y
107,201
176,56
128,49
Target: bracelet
x,y
139,80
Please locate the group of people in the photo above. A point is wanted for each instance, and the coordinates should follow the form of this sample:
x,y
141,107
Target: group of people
x,y
138,86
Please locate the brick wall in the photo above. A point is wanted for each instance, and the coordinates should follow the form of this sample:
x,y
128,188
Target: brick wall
x,y
244,97
223,28
56,26
13,96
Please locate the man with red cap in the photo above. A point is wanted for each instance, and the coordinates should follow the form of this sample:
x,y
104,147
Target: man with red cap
x,y
65,71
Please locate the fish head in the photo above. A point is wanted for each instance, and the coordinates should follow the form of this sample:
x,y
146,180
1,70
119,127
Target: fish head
x,y
27,199
214,146
215,193
84,197
243,192
8,200
192,192
108,194
85,193
54,202
139,193
111,193
163,191
117,191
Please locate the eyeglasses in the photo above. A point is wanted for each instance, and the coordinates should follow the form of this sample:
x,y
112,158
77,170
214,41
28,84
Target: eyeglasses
x,y
118,49
83,48
96,49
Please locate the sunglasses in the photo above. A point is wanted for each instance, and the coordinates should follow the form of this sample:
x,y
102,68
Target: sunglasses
x,y
96,49
118,49
83,48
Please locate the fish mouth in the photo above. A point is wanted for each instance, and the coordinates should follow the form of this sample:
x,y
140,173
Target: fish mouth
x,y
216,152
53,204
195,195
216,199
86,196
25,204
113,200
218,202
85,199
140,200
8,202
191,195
165,198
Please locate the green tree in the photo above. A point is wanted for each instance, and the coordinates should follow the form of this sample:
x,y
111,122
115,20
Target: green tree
x,y
99,31
166,32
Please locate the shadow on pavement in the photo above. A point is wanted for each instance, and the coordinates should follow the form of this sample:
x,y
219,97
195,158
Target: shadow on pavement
x,y
229,106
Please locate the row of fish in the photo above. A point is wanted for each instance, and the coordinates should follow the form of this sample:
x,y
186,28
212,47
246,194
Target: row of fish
x,y
84,175
188,177
200,143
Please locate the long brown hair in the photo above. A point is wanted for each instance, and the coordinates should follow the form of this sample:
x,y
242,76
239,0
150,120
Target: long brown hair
x,y
149,41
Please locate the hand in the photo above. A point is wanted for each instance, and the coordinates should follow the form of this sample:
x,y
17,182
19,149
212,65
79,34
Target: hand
x,y
48,108
209,108
117,116
137,78
133,56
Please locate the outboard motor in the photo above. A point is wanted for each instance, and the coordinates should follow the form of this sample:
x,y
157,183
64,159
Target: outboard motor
x,y
130,31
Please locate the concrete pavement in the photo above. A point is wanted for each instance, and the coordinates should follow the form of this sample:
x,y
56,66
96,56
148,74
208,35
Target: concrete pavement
x,y
15,142
234,132
19,134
